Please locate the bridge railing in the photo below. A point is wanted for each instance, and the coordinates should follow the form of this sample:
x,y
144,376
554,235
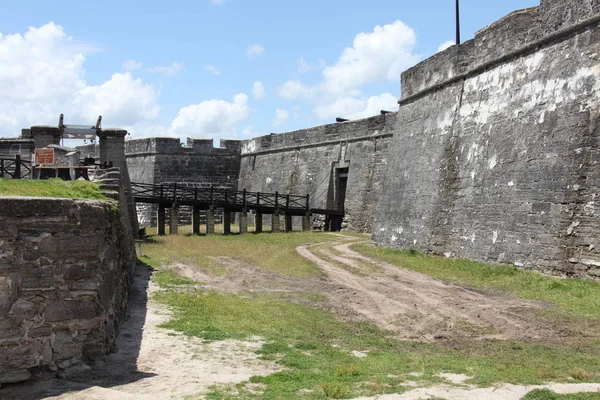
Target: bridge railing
x,y
15,168
218,196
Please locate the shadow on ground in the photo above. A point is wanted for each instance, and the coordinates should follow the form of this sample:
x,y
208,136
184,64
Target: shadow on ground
x,y
119,367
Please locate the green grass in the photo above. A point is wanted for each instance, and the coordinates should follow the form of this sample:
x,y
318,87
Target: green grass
x,y
51,188
545,394
316,348
273,252
577,296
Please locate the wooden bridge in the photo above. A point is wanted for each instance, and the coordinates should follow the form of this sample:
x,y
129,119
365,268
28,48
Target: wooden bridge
x,y
211,198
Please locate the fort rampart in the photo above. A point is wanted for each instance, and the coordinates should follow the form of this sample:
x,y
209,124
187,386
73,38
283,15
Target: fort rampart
x,y
496,146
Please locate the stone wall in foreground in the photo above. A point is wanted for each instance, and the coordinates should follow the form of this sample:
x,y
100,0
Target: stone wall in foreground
x,y
65,267
496,146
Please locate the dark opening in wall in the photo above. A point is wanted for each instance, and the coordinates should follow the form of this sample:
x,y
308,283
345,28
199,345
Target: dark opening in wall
x,y
341,184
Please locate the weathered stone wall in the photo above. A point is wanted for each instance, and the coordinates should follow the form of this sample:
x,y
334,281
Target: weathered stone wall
x,y
9,148
64,274
496,146
305,161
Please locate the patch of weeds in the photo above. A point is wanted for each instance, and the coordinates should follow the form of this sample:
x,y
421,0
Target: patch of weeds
x,y
545,394
580,374
335,390
347,370
547,374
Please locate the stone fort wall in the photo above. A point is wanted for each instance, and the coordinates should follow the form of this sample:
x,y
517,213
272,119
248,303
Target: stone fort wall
x,y
496,152
306,161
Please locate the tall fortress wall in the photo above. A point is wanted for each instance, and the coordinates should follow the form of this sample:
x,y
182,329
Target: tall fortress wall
x,y
495,148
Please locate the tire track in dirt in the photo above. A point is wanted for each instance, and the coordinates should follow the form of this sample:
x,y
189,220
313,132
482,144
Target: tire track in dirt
x,y
418,306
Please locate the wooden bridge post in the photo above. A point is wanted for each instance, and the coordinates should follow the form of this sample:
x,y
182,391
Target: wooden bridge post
x,y
243,222
161,220
2,168
306,223
288,227
210,221
226,222
174,222
196,220
275,223
258,223
17,174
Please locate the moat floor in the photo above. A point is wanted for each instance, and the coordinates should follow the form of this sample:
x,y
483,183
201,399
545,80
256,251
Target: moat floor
x,y
150,362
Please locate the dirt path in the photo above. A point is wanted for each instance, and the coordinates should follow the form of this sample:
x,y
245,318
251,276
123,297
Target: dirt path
x,y
420,307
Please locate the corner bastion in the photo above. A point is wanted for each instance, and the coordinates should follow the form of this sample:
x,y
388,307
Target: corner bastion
x,y
496,146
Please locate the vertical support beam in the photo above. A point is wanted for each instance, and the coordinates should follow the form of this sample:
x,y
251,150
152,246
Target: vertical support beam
x,y
288,223
174,222
275,223
196,220
17,174
161,220
258,223
243,222
226,222
210,222
306,223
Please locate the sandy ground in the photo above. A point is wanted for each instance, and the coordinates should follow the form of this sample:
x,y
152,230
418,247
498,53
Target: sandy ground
x,y
152,362
420,307
155,363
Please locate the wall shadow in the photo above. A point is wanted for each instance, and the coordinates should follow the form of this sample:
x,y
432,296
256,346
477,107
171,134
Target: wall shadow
x,y
118,368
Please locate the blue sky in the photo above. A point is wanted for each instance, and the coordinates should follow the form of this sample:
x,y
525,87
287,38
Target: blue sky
x,y
217,68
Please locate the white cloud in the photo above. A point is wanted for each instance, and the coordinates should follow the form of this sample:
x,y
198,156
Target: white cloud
x,y
281,117
377,56
303,66
213,70
446,45
296,90
258,89
42,76
357,108
168,70
254,50
212,118
132,65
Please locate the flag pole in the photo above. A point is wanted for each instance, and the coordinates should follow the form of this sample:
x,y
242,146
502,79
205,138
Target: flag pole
x,y
457,22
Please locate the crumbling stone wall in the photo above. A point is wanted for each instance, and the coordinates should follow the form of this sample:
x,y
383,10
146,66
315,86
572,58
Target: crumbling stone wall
x,y
305,161
496,146
64,274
